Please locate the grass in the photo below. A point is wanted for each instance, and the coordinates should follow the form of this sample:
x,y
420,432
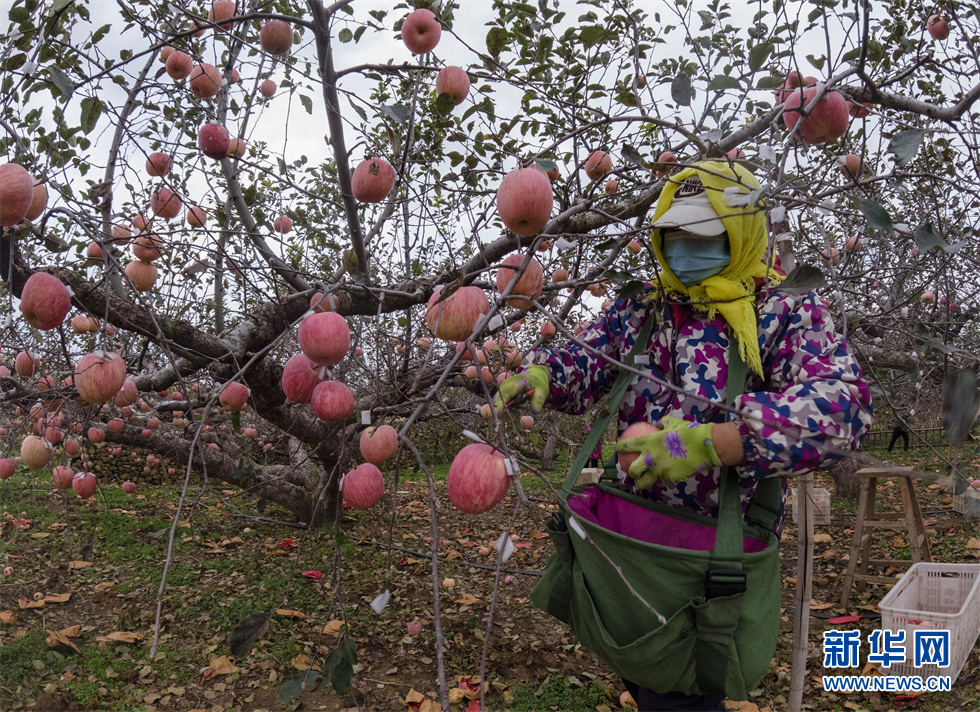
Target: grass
x,y
557,693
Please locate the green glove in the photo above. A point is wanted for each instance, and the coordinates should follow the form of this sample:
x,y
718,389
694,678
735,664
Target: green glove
x,y
536,378
674,453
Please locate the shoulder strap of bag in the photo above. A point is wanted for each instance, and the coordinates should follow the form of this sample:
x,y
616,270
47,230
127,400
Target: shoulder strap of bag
x,y
620,385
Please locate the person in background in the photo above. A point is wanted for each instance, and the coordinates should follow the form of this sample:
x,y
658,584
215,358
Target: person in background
x,y
805,401
900,430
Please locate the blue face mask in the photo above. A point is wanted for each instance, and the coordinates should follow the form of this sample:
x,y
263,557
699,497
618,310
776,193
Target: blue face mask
x,y
694,258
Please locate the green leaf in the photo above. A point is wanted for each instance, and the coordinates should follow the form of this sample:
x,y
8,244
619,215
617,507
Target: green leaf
x,y
545,164
723,81
770,82
877,217
592,35
680,90
295,685
445,104
497,39
630,288
633,156
59,5
804,278
307,103
398,113
759,54
961,400
905,144
91,111
245,634
345,35
65,85
816,62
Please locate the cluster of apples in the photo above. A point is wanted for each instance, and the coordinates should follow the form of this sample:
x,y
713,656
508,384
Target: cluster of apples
x,y
21,197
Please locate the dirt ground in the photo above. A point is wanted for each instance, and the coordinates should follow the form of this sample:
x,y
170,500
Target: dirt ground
x,y
77,607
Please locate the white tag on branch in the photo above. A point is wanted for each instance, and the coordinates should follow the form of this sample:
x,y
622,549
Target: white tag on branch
x,y
576,527
778,214
505,546
365,417
729,193
473,436
641,360
767,153
826,207
511,464
28,68
306,316
381,602
9,322
561,244
70,292
905,313
496,322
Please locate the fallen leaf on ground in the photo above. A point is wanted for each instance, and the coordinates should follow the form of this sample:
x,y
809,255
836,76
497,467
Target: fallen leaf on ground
x,y
72,631
333,628
843,619
57,526
303,662
973,543
822,538
414,697
467,599
222,666
40,535
56,597
121,636
814,606
56,638
28,603
104,585
313,575
78,564
8,617
286,613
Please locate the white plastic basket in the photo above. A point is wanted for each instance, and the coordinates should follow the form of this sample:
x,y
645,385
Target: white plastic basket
x,y
821,505
968,503
934,597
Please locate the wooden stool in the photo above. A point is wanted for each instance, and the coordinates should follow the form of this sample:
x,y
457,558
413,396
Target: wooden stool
x,y
868,520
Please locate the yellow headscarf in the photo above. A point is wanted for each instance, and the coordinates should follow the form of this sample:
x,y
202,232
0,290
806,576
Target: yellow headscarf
x,y
732,291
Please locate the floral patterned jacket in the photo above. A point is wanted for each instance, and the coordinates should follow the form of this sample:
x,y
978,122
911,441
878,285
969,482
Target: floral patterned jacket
x,y
812,408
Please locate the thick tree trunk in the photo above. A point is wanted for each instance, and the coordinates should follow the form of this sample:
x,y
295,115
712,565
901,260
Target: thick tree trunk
x,y
548,456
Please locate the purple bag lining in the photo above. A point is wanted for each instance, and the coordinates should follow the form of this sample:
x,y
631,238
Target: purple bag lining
x,y
624,517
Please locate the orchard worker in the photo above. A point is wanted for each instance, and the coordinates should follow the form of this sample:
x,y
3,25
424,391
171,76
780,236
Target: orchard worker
x,y
804,402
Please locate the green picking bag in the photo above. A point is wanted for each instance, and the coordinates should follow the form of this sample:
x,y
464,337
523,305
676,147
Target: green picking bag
x,y
671,600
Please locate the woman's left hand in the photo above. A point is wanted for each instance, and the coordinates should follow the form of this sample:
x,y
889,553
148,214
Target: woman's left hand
x,y
673,453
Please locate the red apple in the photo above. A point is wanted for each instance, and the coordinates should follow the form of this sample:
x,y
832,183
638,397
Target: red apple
x,y
84,484
363,486
421,31
282,224
928,297
165,203
832,257
72,448
529,284
379,443
299,378
127,394
179,65
853,243
665,158
26,364
634,431
527,422
236,148
94,253
938,29
121,233
453,81
148,247
39,202
477,478
63,476
320,303
158,164
16,194
205,80
213,140
128,487
276,37
35,452
142,274
598,164
735,154
827,120
99,376
851,167
268,88
117,425
7,468
221,12
44,301
858,111
324,338
332,401
634,247
234,396
373,180
455,317
525,201
612,185
548,330
96,435
197,216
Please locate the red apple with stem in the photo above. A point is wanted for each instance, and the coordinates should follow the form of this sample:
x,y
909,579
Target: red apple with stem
x,y
99,376
180,65
827,119
84,484
268,88
453,81
299,378
234,395
478,478
213,141
324,338
158,164
378,443
16,194
421,31
372,180
528,285
363,486
598,164
44,301
332,401
455,317
205,80
276,37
